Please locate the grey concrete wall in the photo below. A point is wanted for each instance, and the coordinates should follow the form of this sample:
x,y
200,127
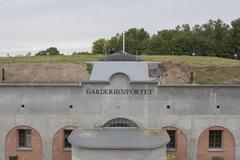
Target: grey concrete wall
x,y
192,109
94,154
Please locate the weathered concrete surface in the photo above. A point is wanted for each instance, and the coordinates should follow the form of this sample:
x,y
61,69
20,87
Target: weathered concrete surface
x,y
110,143
136,71
91,154
119,138
192,109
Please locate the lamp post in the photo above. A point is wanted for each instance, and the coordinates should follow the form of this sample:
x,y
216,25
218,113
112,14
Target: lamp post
x,y
124,42
235,56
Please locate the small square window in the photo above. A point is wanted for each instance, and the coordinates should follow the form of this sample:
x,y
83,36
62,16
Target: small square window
x,y
24,138
215,139
66,134
13,157
217,158
172,143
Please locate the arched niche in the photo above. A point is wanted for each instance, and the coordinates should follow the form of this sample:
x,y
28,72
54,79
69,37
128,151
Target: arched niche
x,y
216,142
119,79
23,142
177,147
60,145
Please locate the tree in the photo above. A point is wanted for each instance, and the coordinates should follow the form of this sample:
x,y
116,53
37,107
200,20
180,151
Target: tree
x,y
212,38
235,36
197,29
186,28
50,51
136,40
53,51
99,46
42,53
115,44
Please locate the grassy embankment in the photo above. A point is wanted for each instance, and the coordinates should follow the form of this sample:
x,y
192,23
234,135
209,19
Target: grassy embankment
x,y
209,70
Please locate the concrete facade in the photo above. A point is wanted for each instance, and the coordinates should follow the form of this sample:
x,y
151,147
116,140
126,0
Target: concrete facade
x,y
50,107
89,154
116,143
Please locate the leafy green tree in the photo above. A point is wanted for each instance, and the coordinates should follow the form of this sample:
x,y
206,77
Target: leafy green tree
x,y
160,43
208,29
235,36
52,51
136,40
197,29
182,44
212,38
42,53
221,38
220,30
115,44
186,28
99,46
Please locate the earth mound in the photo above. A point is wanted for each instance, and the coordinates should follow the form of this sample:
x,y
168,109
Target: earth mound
x,y
43,73
175,73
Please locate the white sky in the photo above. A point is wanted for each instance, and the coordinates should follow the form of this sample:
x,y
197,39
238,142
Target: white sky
x,y
72,25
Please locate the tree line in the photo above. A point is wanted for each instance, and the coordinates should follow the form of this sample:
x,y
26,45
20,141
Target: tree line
x,y
214,38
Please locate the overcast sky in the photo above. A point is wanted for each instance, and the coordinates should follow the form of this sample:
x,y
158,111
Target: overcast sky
x,y
32,25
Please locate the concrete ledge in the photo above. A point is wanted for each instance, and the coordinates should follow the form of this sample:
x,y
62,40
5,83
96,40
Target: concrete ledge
x,y
119,138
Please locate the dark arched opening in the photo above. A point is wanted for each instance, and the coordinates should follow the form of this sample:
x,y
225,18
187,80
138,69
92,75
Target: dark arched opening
x,y
120,122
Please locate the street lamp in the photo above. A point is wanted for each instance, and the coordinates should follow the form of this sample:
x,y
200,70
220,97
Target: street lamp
x,y
235,56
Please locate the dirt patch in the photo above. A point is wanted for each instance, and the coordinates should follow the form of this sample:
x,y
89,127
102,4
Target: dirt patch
x,y
175,73
43,73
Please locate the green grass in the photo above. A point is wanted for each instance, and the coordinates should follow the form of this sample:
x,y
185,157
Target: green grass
x,y
207,69
50,59
190,60
195,61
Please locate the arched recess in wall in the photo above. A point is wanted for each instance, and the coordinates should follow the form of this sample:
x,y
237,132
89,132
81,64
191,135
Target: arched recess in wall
x,y
60,145
120,122
122,74
216,143
23,142
177,147
119,78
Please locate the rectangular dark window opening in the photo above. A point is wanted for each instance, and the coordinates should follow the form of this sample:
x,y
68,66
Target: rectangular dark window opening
x,y
172,143
217,158
215,139
24,138
13,158
66,134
